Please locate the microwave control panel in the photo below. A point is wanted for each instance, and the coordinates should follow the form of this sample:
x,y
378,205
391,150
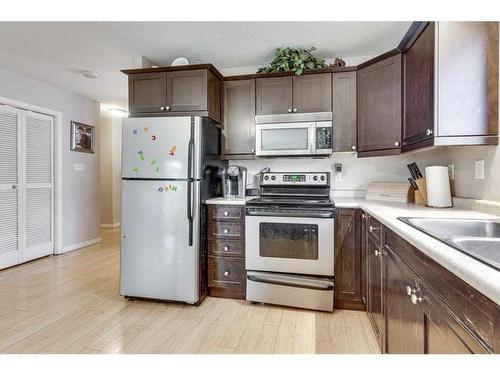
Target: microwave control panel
x,y
323,138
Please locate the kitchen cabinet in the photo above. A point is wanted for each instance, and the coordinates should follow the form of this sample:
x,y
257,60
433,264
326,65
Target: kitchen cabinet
x,y
348,262
238,132
175,91
379,106
375,287
273,95
226,251
450,84
344,112
294,94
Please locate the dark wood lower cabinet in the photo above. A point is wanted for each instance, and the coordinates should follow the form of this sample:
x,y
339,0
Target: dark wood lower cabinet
x,y
226,251
348,262
417,306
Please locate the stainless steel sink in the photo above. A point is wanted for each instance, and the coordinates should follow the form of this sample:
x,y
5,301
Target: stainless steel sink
x,y
479,239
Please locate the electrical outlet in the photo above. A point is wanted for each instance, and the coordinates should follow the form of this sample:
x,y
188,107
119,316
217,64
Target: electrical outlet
x,y
451,171
479,170
338,172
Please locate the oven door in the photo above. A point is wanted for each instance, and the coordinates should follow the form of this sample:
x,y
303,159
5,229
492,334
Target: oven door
x,y
285,139
300,245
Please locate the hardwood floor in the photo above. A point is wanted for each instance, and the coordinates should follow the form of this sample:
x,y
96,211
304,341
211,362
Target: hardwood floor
x,y
70,304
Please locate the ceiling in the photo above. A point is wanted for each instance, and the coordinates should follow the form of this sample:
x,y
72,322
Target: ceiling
x,y
58,52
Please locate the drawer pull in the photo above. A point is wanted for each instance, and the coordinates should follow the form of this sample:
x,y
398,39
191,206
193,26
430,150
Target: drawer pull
x,y
415,299
226,273
226,248
226,231
226,213
373,229
409,290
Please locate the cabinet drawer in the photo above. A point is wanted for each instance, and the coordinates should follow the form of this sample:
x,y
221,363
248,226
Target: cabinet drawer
x,y
375,230
228,248
220,212
226,273
226,230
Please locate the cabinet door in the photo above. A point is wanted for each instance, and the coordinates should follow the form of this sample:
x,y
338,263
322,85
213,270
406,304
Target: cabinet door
x,y
312,93
379,106
344,112
348,267
273,95
239,117
418,122
375,288
404,319
187,90
147,92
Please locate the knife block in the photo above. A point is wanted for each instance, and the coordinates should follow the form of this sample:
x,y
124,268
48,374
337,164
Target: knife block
x,y
421,193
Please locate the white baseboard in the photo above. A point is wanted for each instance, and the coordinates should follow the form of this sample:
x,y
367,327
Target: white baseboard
x,y
77,246
110,226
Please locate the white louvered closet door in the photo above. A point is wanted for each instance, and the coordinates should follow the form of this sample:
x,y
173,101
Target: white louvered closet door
x,y
10,139
37,198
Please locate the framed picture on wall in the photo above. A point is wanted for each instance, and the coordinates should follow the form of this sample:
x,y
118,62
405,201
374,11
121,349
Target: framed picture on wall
x,y
82,137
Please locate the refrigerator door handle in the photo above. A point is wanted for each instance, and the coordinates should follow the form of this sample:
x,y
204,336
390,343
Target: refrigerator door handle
x,y
190,183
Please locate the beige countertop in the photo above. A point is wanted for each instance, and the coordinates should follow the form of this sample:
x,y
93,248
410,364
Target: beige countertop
x,y
230,201
482,277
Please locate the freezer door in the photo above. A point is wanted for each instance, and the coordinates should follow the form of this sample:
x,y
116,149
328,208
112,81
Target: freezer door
x,y
156,147
157,260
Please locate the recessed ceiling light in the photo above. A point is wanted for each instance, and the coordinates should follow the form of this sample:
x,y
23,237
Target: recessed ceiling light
x,y
118,112
90,75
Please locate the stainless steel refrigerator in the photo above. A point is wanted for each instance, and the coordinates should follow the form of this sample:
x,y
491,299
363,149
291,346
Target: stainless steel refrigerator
x,y
170,166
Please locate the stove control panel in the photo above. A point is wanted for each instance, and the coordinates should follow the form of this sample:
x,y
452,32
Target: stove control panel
x,y
292,178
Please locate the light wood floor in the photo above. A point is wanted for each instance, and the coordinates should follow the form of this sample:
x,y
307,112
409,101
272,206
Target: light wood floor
x,y
71,304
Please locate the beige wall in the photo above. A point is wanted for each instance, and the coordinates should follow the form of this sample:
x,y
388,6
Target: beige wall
x,y
110,186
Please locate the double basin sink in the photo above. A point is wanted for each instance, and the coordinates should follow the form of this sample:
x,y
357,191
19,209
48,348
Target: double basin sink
x,y
479,239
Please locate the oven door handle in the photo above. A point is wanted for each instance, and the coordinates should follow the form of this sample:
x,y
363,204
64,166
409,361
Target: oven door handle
x,y
327,285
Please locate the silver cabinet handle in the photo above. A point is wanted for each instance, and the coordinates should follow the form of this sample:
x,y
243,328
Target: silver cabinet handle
x,y
377,253
15,186
289,110
226,273
162,108
252,150
226,231
372,228
226,248
167,108
226,213
429,132
409,290
295,110
353,148
415,299
396,144
363,216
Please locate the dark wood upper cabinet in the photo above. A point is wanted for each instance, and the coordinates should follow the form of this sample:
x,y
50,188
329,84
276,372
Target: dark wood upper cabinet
x,y
418,76
238,132
348,262
379,107
344,112
312,93
147,92
450,84
273,95
182,90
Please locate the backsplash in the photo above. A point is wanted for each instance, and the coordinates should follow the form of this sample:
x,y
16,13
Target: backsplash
x,y
357,173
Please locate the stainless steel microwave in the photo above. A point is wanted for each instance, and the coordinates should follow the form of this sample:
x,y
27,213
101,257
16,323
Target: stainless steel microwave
x,y
294,135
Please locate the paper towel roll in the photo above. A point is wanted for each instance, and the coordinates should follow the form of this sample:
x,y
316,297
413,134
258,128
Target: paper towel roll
x,y
438,186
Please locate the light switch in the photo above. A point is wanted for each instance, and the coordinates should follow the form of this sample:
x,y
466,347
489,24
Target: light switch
x,y
479,170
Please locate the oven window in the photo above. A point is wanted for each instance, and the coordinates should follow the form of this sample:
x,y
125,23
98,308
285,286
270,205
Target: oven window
x,y
291,241
285,139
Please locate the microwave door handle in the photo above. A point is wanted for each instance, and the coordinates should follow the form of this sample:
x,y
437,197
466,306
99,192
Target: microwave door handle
x,y
312,139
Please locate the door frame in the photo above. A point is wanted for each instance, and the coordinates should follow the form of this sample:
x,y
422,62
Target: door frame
x,y
57,166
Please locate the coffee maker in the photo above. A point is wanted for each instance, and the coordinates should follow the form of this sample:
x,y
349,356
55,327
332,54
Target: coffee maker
x,y
234,181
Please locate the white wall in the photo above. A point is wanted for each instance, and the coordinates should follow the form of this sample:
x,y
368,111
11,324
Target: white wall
x,y
110,169
80,190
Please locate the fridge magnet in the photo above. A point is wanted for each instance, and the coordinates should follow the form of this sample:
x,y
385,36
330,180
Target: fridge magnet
x,y
134,132
135,169
157,168
160,189
172,151
152,162
146,129
82,137
141,155
153,137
